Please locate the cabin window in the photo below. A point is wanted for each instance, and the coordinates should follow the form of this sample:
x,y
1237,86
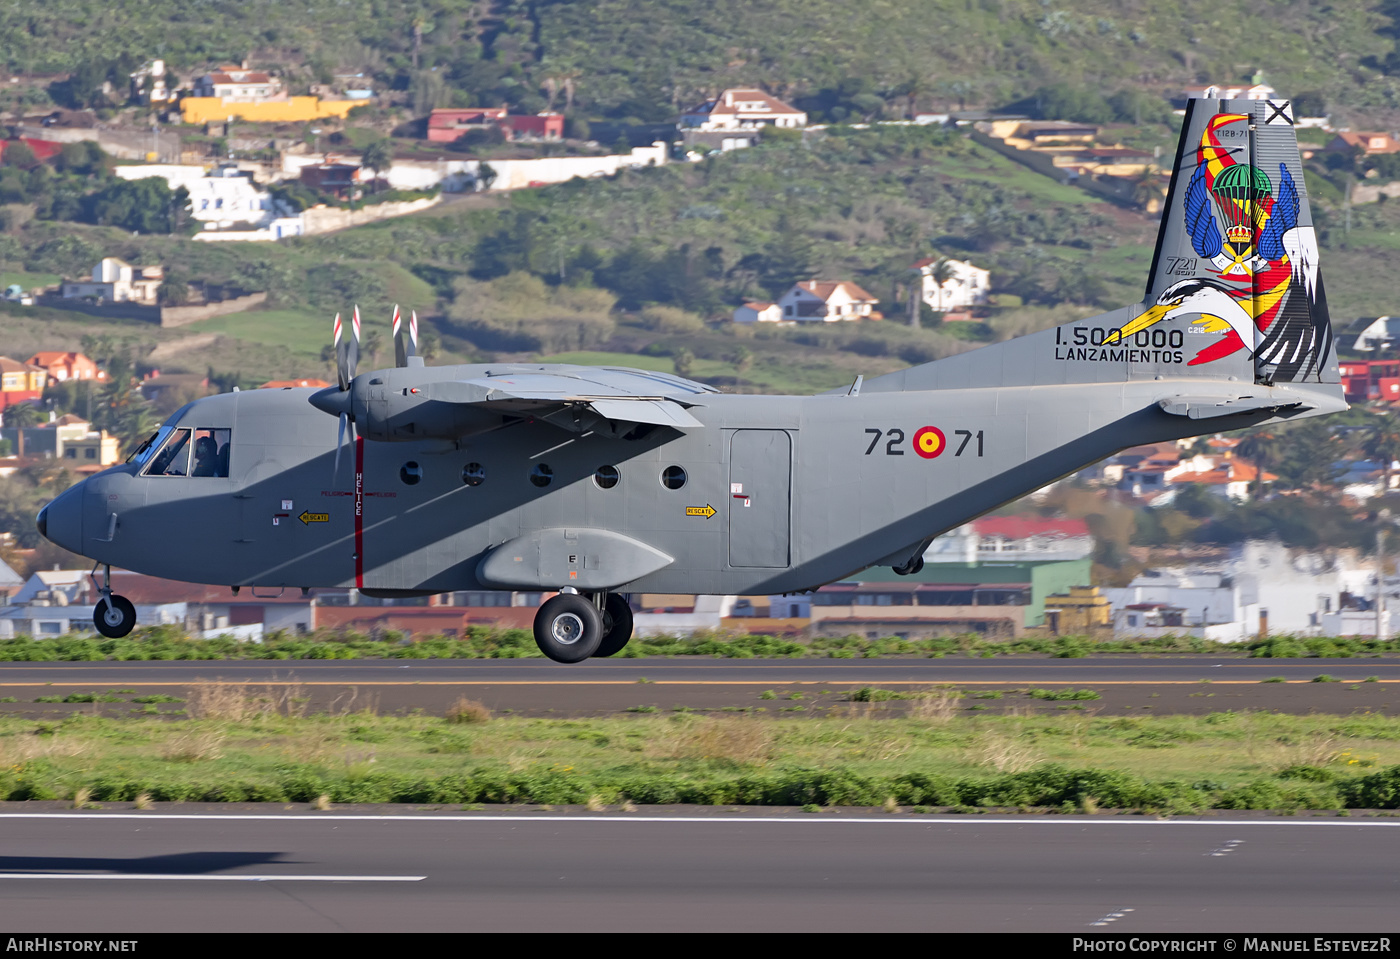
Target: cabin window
x,y
411,473
673,477
541,475
473,474
606,477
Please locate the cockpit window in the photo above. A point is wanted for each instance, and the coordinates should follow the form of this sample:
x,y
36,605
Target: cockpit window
x,y
187,452
144,451
211,449
173,457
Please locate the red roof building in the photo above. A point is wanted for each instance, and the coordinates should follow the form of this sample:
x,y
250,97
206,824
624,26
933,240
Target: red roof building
x,y
540,126
448,125
20,382
63,366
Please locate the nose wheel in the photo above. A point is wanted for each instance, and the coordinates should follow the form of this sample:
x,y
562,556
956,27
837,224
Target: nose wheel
x,y
114,616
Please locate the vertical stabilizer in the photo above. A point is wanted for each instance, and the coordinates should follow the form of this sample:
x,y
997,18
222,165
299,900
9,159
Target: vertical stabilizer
x,y
1237,252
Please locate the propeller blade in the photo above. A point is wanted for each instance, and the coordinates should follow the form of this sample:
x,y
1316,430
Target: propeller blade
x,y
400,357
340,347
353,353
339,444
413,333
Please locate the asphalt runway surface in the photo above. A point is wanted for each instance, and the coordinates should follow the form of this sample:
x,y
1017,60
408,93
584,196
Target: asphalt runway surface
x,y
1136,685
721,871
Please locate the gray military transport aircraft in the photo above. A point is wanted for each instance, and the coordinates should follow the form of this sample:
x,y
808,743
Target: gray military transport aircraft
x,y
593,482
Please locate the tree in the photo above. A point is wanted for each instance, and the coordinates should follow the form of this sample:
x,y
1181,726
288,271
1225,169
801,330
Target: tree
x,y
485,175
141,206
19,154
378,156
1262,448
1382,443
683,359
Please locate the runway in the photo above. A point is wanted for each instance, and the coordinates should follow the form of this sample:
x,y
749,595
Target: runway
x,y
715,871
536,687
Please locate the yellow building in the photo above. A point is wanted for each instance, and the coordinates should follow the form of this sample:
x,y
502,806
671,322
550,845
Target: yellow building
x,y
290,110
1082,610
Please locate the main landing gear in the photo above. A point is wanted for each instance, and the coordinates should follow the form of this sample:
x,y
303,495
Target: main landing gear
x,y
572,627
114,616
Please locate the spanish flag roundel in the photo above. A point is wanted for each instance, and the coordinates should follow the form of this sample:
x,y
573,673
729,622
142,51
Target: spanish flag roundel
x,y
930,442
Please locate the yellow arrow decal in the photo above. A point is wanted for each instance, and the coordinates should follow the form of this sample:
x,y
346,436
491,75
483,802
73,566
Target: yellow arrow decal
x,y
705,511
308,517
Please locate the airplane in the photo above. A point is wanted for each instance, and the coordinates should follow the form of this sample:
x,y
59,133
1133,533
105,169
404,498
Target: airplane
x,y
595,482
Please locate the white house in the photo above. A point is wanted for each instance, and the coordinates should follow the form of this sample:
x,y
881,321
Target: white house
x,y
741,109
238,85
966,285
1161,601
115,281
226,200
1013,539
826,301
758,311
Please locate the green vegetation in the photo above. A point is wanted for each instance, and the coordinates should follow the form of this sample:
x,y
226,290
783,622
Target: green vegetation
x,y
172,643
636,59
1063,694
249,744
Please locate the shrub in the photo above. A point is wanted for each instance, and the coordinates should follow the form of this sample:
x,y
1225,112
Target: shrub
x,y
466,711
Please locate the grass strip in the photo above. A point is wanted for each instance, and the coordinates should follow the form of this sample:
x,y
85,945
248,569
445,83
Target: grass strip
x,y
173,643
247,744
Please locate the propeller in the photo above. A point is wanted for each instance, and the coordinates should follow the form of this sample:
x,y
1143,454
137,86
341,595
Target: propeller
x,y
347,358
405,339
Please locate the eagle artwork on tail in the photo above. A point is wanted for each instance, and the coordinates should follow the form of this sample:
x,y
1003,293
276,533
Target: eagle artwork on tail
x,y
1265,295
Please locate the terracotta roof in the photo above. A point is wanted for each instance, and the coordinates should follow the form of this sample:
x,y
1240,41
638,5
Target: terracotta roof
x,y
246,77
827,288
8,365
724,103
1020,527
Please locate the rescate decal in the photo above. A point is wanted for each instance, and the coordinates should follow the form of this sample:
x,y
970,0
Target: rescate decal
x,y
307,517
705,511
930,442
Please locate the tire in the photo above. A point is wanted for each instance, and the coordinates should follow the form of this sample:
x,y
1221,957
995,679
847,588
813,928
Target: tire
x,y
568,628
617,626
910,568
115,619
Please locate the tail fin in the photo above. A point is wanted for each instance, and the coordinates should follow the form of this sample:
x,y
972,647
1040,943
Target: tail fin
x,y
1234,293
1237,242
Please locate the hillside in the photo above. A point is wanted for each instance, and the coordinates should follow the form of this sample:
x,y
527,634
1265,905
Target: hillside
x,y
641,59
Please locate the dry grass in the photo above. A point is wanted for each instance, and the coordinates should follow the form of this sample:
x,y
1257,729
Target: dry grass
x,y
82,798
740,739
236,702
194,746
143,801
940,706
465,711
17,750
323,802
1004,754
596,804
891,806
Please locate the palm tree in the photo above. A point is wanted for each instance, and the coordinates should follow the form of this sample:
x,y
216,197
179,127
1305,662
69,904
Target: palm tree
x,y
1382,443
1262,448
378,156
21,417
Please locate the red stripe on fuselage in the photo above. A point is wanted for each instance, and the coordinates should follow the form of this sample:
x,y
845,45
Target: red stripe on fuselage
x,y
359,512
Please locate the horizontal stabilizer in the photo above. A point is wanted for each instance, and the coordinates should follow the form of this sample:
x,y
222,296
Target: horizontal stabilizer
x,y
1265,400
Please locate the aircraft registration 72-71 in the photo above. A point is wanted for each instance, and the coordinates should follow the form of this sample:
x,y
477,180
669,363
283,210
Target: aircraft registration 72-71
x,y
596,482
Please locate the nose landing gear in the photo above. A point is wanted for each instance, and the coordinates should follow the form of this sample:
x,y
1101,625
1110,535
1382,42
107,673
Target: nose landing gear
x,y
570,627
114,616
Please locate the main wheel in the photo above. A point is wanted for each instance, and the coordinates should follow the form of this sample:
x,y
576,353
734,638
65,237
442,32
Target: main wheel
x,y
568,628
617,626
910,568
114,618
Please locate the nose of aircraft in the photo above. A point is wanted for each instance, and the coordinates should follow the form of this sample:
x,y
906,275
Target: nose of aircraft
x,y
61,521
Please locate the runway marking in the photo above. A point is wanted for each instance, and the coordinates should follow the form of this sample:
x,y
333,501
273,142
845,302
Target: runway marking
x,y
1111,917
1226,849
187,877
797,819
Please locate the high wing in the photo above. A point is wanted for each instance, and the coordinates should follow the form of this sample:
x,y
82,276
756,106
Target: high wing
x,y
562,395
407,403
